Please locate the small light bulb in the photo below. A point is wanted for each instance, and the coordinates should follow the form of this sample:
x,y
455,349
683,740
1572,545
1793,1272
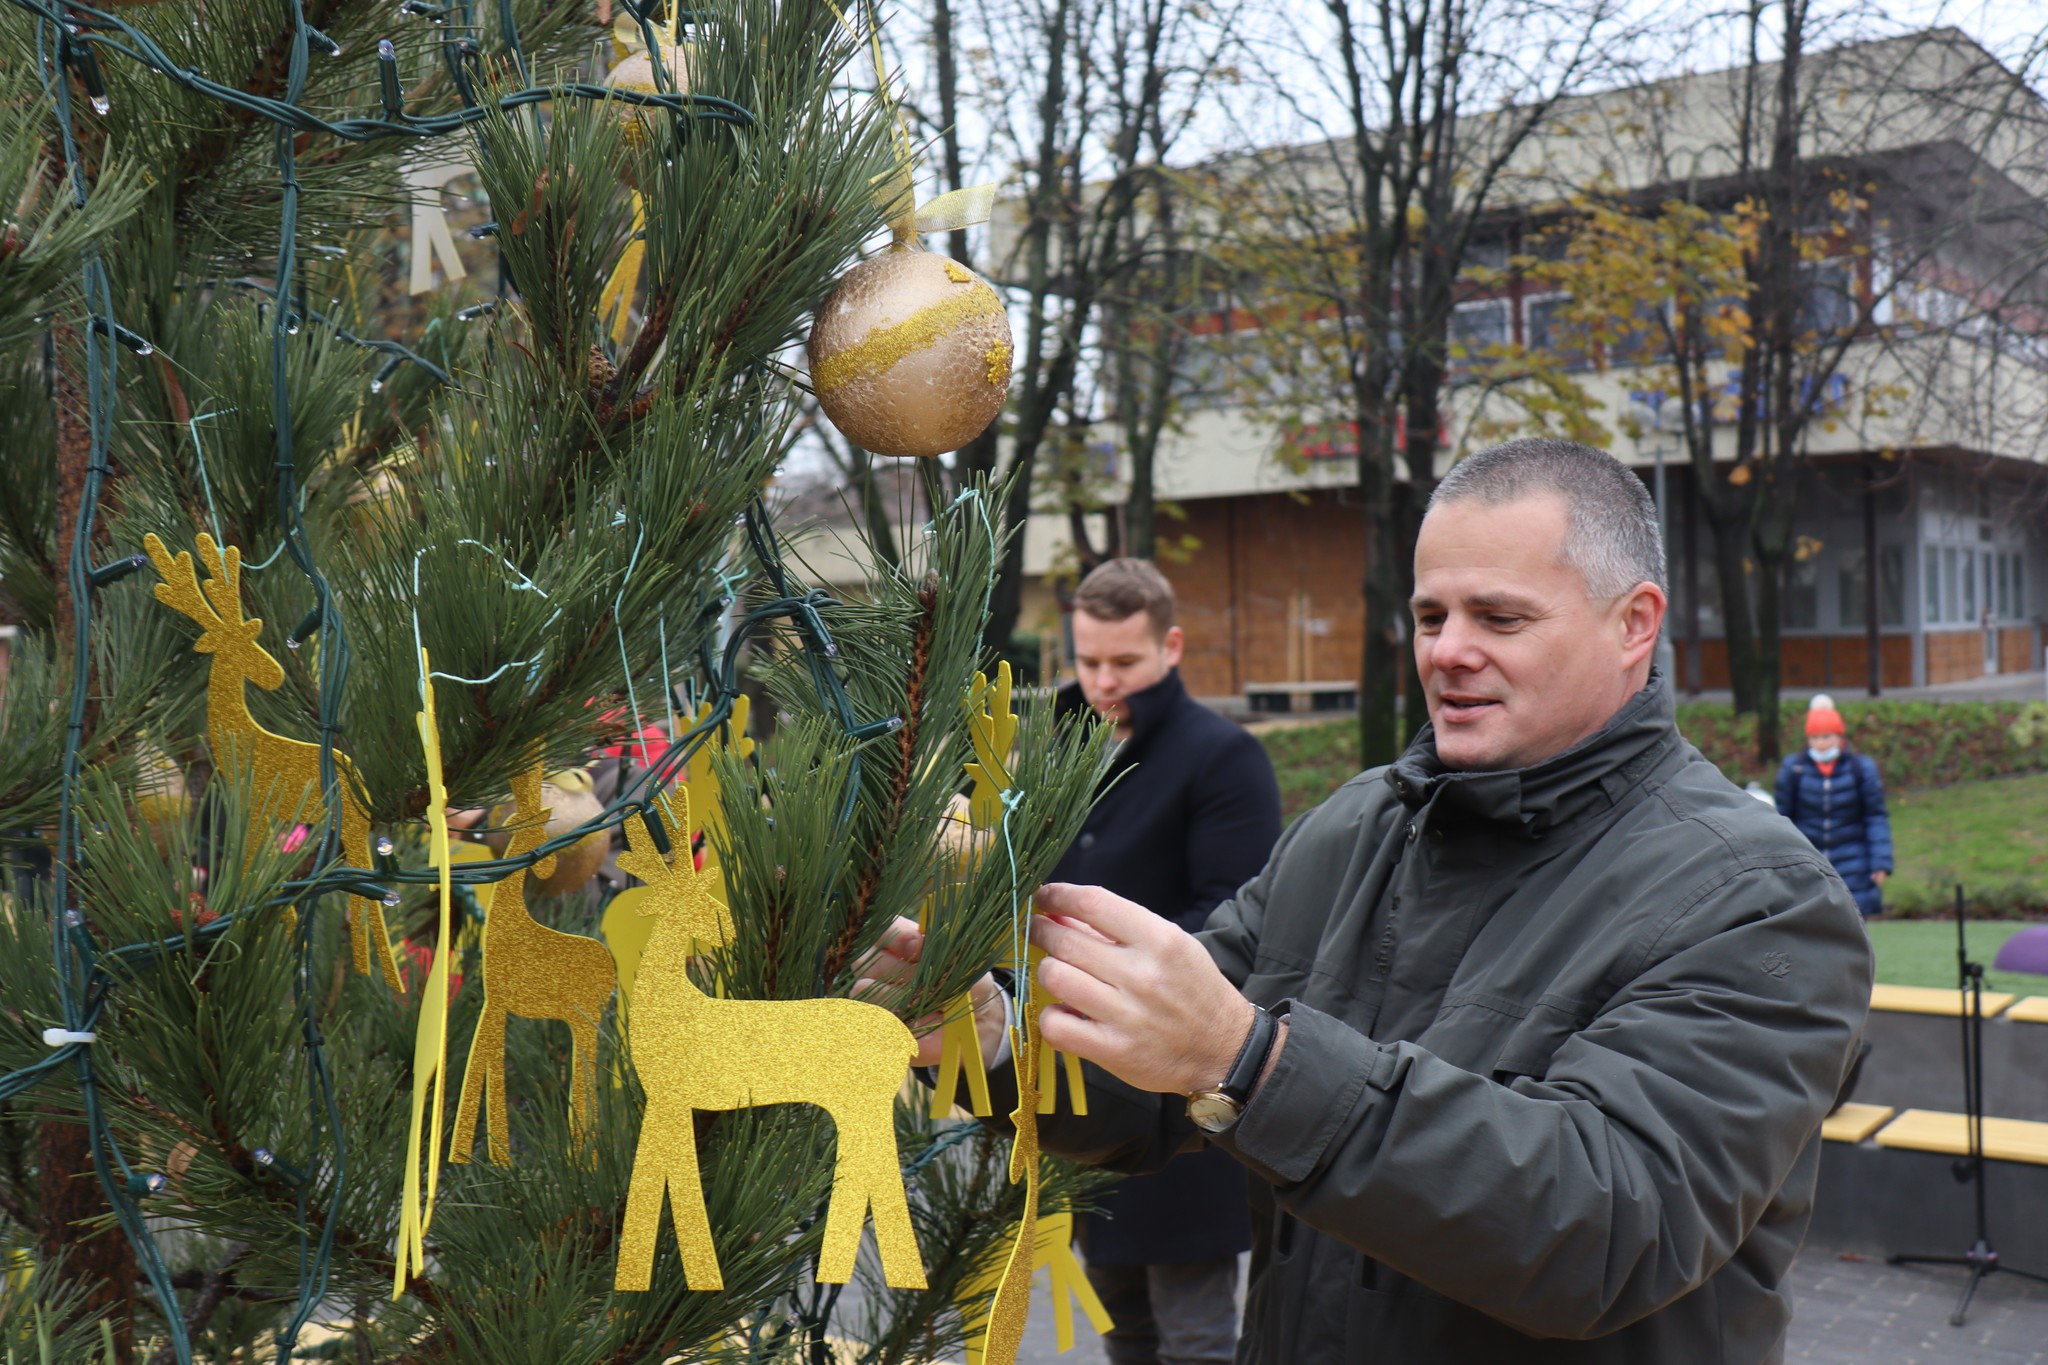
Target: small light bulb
x,y
385,848
385,51
262,1156
376,386
145,349
101,104
291,329
74,917
291,643
391,898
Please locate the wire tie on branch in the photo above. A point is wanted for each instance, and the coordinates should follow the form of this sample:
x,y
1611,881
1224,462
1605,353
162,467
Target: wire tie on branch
x,y
64,1037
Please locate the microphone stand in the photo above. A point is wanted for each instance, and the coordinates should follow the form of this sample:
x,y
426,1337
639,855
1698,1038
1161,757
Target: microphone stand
x,y
1981,1259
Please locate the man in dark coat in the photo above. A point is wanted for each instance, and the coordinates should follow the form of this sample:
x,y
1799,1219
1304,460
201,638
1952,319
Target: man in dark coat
x,y
1188,814
1525,1038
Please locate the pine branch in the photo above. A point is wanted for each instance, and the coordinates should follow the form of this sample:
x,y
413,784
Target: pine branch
x,y
900,775
214,1286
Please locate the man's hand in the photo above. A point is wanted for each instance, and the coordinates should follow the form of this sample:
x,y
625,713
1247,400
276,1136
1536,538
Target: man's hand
x,y
1138,996
1877,877
885,973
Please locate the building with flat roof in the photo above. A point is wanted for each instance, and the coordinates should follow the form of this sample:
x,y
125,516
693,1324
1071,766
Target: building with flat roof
x,y
1929,461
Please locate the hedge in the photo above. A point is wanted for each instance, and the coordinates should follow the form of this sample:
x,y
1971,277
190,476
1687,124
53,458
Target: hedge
x,y
1915,743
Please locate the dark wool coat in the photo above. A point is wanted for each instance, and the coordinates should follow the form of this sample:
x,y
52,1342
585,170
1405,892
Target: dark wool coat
x,y
1843,814
1189,813
1562,1040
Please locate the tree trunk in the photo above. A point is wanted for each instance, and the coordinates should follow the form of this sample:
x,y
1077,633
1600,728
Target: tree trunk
x,y
1379,728
1731,554
1425,384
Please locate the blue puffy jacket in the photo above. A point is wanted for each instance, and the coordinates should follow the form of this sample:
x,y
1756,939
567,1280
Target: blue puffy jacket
x,y
1843,814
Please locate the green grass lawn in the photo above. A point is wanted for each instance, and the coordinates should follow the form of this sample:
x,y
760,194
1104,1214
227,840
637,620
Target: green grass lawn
x,y
1992,836
1923,953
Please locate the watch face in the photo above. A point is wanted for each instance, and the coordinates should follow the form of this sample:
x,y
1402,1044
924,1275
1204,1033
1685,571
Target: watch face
x,y
1212,1112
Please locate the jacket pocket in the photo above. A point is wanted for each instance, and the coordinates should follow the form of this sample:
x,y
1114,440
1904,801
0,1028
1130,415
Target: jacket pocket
x,y
1535,1039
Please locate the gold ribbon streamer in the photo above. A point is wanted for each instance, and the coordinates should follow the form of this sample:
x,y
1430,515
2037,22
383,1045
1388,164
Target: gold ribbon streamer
x,y
430,1043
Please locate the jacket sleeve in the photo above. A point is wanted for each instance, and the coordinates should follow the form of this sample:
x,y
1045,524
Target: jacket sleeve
x,y
1788,787
1877,821
1233,821
1136,1131
1573,1204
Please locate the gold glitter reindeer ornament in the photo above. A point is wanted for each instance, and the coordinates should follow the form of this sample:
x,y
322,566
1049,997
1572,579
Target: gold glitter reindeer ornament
x,y
695,1051
287,771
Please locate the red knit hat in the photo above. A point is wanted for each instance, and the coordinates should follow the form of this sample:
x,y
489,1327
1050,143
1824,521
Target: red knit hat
x,y
1824,720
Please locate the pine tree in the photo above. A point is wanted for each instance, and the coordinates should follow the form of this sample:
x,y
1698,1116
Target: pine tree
x,y
565,520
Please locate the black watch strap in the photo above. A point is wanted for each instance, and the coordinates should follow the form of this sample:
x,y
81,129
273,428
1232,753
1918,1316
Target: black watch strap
x,y
1243,1076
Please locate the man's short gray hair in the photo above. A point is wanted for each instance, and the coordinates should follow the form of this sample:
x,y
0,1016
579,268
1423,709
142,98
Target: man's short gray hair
x,y
1611,533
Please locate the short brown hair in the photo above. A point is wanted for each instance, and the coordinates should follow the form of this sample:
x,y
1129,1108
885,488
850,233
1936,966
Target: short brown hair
x,y
1118,589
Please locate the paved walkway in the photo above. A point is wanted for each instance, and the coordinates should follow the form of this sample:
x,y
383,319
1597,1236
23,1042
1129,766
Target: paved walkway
x,y
1848,1311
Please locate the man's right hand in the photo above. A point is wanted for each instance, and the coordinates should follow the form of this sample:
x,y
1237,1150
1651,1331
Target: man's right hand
x,y
886,972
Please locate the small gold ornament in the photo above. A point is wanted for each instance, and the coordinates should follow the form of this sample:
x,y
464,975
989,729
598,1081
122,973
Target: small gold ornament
x,y
571,802
536,973
1011,1306
1054,1251
635,72
910,354
286,771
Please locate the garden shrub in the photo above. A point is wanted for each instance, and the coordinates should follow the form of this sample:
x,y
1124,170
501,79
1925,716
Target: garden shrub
x,y
1915,743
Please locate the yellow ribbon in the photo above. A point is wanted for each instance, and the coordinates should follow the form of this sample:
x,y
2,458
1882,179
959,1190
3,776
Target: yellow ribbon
x,y
430,1043
961,208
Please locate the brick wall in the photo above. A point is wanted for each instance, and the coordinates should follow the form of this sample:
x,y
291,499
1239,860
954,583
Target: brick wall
x,y
1840,661
1236,592
2019,649
1954,655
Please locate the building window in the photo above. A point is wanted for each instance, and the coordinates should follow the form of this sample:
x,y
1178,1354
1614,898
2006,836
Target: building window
x,y
1478,324
1930,608
1891,587
1799,605
1949,610
1828,306
1969,587
1543,322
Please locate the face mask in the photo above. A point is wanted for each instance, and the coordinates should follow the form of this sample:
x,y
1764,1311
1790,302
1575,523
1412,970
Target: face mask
x,y
1827,755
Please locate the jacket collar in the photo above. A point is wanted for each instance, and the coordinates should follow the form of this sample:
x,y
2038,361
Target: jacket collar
x,y
1149,708
1591,775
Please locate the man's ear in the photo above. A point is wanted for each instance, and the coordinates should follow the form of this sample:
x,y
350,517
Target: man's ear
x,y
1173,644
1639,615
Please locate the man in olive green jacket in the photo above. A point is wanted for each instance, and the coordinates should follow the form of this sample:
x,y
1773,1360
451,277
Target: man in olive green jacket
x,y
1528,1036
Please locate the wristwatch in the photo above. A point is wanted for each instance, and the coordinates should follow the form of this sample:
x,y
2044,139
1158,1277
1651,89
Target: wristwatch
x,y
1218,1110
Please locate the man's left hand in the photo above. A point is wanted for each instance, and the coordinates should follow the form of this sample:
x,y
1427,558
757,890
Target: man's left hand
x,y
1138,995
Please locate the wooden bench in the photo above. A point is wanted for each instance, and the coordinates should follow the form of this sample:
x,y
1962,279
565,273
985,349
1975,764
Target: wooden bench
x,y
1934,1000
1284,697
1929,1130
1854,1122
2032,1010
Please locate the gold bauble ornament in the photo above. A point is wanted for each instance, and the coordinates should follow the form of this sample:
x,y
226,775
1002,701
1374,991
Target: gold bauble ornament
x,y
635,72
161,797
910,354
570,801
